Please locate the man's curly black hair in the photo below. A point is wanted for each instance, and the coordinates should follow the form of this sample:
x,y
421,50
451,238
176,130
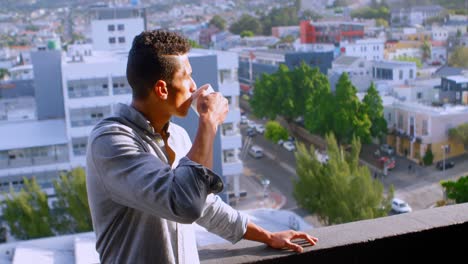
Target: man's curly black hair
x,y
148,59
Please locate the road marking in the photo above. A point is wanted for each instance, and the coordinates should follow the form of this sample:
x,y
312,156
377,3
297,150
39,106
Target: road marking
x,y
281,163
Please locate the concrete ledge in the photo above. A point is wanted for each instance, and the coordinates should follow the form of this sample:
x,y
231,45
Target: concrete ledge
x,y
424,235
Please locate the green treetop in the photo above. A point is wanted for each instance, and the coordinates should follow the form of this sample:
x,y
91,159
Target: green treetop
x,y
339,190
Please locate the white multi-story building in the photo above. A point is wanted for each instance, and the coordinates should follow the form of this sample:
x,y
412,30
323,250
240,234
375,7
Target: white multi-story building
x,y
113,28
440,33
91,87
394,71
369,49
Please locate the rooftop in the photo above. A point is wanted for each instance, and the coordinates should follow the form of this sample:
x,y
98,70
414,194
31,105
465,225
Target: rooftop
x,y
432,110
30,134
346,60
390,64
457,78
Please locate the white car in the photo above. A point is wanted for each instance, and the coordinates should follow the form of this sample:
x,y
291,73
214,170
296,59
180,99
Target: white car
x,y
387,149
251,124
260,129
244,120
400,206
289,146
256,152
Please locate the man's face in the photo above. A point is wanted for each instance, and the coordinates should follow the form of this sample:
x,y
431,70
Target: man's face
x,y
181,87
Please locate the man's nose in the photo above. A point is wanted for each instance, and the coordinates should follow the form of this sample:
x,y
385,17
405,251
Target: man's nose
x,y
193,86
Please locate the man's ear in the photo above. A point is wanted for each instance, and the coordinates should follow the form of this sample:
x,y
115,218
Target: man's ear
x,y
160,88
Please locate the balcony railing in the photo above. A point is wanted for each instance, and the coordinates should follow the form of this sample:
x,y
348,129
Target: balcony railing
x,y
437,233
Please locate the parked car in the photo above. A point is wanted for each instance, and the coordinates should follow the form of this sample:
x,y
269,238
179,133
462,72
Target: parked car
x,y
251,124
289,146
387,149
400,206
244,120
448,165
389,162
251,132
260,128
256,151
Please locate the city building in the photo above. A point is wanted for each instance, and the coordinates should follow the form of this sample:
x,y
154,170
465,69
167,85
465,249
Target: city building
x,y
330,32
394,71
54,122
220,69
369,49
113,28
415,127
359,71
254,63
454,90
416,15
33,113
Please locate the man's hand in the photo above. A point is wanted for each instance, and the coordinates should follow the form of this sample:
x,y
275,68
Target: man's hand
x,y
278,240
283,240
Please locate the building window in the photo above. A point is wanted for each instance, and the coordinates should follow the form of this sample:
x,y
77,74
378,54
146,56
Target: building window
x,y
400,121
121,39
411,74
419,95
389,117
111,40
120,27
229,98
457,95
401,75
110,28
79,146
425,128
229,156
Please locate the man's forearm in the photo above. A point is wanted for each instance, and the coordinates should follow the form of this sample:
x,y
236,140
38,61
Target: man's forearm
x,y
202,148
256,233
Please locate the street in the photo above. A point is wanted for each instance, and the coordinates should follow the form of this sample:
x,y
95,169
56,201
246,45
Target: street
x,y
420,187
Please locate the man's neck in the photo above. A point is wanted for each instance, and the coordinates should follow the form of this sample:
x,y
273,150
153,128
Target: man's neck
x,y
158,119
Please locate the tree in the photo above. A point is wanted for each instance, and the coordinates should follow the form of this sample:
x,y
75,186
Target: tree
x,y
274,131
27,212
428,157
218,22
272,95
340,190
426,51
459,57
246,22
319,102
72,200
349,115
310,15
288,93
194,44
4,73
457,190
460,134
374,109
285,16
246,33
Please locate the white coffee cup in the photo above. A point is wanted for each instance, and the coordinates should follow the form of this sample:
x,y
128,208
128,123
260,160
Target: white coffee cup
x,y
208,89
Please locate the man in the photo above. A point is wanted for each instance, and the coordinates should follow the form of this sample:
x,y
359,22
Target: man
x,y
146,182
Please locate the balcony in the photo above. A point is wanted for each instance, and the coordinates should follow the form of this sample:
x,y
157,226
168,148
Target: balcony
x,y
437,233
